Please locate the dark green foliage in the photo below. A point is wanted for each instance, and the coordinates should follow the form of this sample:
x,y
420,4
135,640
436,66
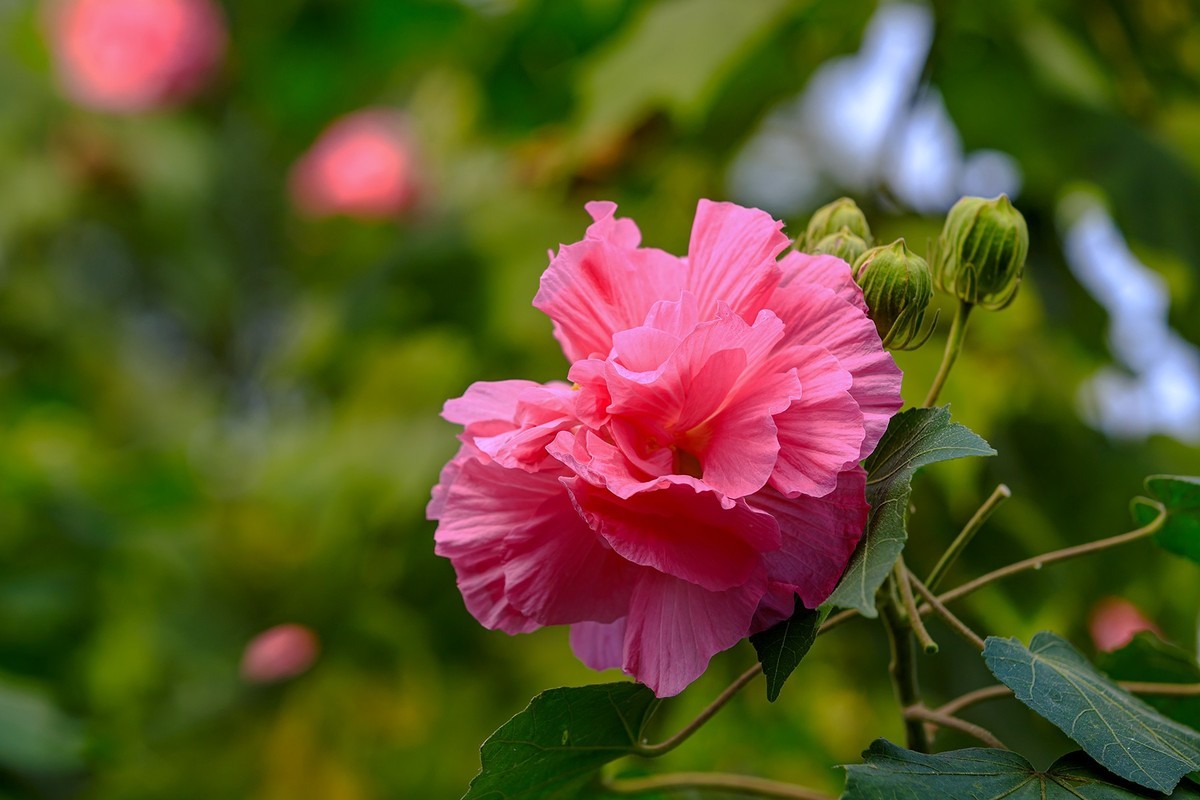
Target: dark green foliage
x,y
781,647
556,746
1121,732
1180,495
1150,659
893,773
914,439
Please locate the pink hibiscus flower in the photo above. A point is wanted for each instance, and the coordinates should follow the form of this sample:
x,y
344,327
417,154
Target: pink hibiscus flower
x,y
362,166
134,55
703,468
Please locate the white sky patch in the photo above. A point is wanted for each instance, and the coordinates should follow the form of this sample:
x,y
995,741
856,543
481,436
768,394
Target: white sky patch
x,y
863,123
1155,385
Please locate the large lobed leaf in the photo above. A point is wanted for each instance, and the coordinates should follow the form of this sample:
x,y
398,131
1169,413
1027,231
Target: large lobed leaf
x,y
1148,658
1180,495
555,747
978,773
1123,734
914,439
781,647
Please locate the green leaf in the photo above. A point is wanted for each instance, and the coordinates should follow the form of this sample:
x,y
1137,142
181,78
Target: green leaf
x,y
1149,658
781,647
914,439
1123,734
693,45
555,747
1180,495
893,773
34,734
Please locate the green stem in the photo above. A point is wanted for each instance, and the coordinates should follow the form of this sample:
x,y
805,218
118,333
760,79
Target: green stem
x,y
956,624
1037,562
958,331
943,720
837,620
911,617
655,750
903,670
964,538
745,785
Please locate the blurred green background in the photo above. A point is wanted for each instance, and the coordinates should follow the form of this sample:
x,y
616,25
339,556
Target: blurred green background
x,y
217,415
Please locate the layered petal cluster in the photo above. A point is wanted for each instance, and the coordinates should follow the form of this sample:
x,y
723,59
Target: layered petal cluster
x,y
700,471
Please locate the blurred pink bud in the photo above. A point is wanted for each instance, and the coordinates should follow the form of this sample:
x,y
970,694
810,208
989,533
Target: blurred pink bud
x,y
1114,622
134,55
362,165
278,653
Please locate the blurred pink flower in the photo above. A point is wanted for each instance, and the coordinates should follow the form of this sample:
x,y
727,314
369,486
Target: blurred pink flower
x,y
280,652
703,467
1114,622
135,55
362,165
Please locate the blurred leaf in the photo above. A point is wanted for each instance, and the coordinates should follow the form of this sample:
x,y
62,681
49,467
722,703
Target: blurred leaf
x,y
893,773
691,44
34,734
1149,658
781,647
914,439
1120,731
555,746
1180,495
1064,63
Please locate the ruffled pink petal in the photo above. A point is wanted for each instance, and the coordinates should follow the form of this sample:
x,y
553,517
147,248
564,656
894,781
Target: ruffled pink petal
x,y
681,530
822,270
818,537
487,401
482,506
599,645
675,628
604,284
818,316
731,257
708,400
821,433
591,398
558,570
601,463
449,474
644,349
541,412
678,317
739,448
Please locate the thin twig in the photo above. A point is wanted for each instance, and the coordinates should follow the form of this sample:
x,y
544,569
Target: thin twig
x,y
654,750
946,614
1037,562
745,785
837,619
946,721
964,538
971,698
1135,687
901,573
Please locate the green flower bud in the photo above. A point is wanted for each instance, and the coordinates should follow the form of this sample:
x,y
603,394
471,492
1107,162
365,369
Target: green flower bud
x,y
897,288
841,213
843,244
981,252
